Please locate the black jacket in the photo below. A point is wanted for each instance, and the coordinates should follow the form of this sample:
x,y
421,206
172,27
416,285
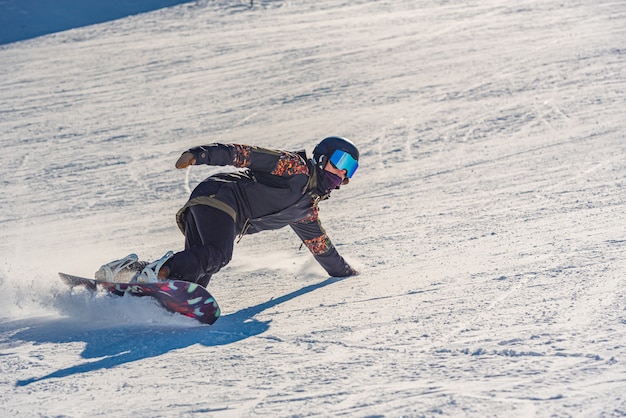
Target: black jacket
x,y
274,189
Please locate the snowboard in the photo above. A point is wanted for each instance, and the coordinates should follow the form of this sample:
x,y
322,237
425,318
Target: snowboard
x,y
189,299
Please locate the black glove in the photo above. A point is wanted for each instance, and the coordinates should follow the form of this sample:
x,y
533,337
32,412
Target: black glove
x,y
348,271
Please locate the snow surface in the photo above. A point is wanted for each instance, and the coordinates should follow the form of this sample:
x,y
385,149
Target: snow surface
x,y
487,218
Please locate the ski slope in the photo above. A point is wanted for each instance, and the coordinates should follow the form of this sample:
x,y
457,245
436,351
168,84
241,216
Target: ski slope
x,y
487,217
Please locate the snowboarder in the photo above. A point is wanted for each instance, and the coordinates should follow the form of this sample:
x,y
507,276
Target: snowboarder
x,y
274,189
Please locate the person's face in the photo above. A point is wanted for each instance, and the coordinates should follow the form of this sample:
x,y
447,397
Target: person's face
x,y
342,164
341,173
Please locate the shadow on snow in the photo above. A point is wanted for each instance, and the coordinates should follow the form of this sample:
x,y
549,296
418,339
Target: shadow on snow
x,y
116,346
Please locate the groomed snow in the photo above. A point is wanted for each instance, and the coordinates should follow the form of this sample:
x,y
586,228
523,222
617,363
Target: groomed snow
x,y
487,218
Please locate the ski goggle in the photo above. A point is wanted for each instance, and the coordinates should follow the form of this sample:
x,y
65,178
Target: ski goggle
x,y
341,160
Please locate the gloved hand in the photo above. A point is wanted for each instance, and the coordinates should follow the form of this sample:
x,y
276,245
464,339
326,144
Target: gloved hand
x,y
354,272
349,271
185,160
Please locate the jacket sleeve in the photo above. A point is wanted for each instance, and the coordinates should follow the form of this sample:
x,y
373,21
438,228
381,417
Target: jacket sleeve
x,y
314,237
280,163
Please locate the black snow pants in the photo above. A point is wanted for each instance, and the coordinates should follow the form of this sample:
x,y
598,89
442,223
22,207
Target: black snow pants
x,y
209,241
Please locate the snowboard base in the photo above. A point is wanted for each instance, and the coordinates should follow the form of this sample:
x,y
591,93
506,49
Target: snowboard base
x,y
189,299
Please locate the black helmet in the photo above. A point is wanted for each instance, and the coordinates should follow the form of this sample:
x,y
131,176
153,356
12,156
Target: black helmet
x,y
325,150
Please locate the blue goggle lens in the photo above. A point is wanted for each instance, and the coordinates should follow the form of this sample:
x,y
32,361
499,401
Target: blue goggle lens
x,y
344,161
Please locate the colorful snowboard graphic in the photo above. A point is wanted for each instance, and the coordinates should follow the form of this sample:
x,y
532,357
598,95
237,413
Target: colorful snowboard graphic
x,y
189,299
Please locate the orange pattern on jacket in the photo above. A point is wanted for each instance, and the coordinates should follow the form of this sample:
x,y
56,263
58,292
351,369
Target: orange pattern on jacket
x,y
318,245
290,164
242,155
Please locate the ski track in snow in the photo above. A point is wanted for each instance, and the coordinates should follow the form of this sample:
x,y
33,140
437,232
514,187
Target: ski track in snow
x,y
486,219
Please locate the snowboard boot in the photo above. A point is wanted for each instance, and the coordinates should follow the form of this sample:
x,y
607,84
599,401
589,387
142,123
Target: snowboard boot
x,y
153,272
118,271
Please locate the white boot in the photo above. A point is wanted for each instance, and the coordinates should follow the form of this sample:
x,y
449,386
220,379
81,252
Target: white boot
x,y
150,273
109,272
